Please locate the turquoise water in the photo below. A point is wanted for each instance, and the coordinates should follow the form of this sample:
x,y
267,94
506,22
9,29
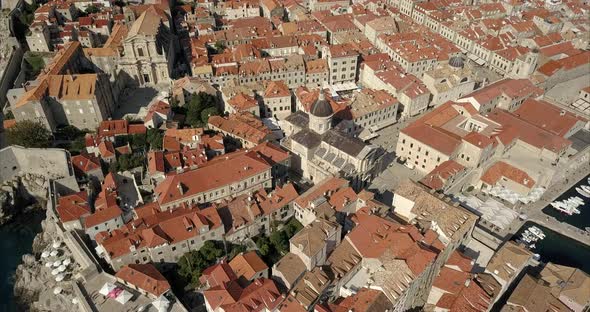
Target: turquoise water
x,y
16,239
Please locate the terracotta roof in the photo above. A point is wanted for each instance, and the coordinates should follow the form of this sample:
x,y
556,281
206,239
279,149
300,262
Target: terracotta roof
x,y
106,209
501,169
243,125
277,89
507,260
73,207
84,163
365,299
548,116
247,265
147,23
218,274
158,227
209,177
145,277
329,185
515,127
437,178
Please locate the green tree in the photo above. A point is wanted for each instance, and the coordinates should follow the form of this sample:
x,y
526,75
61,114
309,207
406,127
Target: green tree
x,y
280,241
29,133
208,112
199,103
292,227
264,247
77,146
8,115
126,162
91,9
138,141
219,46
155,139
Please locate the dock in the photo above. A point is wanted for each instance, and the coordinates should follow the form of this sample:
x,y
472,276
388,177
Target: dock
x,y
536,215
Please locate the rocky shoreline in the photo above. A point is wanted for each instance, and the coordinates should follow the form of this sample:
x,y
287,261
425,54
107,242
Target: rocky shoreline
x,y
34,285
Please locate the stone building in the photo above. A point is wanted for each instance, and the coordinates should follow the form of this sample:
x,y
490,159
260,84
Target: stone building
x,y
150,50
320,151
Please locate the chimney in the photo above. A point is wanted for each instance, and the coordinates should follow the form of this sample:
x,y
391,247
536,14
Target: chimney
x,y
180,187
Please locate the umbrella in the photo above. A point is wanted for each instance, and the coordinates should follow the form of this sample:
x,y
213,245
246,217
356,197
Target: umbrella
x,y
54,253
45,254
67,261
75,300
161,304
60,277
57,290
62,268
57,263
124,296
48,264
56,244
106,289
55,272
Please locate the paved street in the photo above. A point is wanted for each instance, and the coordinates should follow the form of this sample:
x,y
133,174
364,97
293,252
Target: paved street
x,y
132,100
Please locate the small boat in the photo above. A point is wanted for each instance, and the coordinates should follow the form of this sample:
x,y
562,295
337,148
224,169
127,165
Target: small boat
x,y
537,232
578,200
532,246
585,188
582,192
562,207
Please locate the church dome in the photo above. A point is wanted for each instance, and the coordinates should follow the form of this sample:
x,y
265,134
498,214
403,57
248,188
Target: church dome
x,y
456,61
321,108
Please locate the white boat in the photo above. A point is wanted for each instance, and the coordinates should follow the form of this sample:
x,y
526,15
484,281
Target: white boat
x,y
582,192
578,200
572,203
562,207
532,246
586,188
537,232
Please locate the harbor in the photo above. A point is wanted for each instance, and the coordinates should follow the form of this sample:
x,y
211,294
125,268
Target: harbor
x,y
541,212
557,248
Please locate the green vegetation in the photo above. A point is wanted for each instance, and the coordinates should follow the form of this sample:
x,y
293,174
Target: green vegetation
x,y
24,20
276,246
137,141
29,134
8,115
91,9
200,108
126,162
219,46
192,264
155,138
36,63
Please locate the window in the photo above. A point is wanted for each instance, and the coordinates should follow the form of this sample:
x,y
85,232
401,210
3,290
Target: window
x,y
140,51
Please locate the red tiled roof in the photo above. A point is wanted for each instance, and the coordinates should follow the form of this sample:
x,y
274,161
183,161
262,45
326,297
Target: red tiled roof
x,y
209,177
437,178
84,163
73,207
501,169
146,277
548,116
247,265
218,274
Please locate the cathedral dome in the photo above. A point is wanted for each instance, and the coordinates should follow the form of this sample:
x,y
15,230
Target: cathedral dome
x,y
456,61
321,108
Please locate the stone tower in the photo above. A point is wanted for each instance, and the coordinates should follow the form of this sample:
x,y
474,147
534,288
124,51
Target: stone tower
x,y
320,115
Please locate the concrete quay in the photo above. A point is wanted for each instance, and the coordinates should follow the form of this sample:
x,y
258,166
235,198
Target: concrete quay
x,y
536,215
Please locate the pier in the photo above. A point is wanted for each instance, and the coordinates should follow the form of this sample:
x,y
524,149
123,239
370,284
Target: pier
x,y
535,214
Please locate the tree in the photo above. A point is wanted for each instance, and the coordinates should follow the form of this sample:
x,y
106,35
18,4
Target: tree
x,y
208,112
29,133
138,141
292,227
219,46
155,138
264,247
200,102
280,241
91,9
8,115
126,162
77,146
